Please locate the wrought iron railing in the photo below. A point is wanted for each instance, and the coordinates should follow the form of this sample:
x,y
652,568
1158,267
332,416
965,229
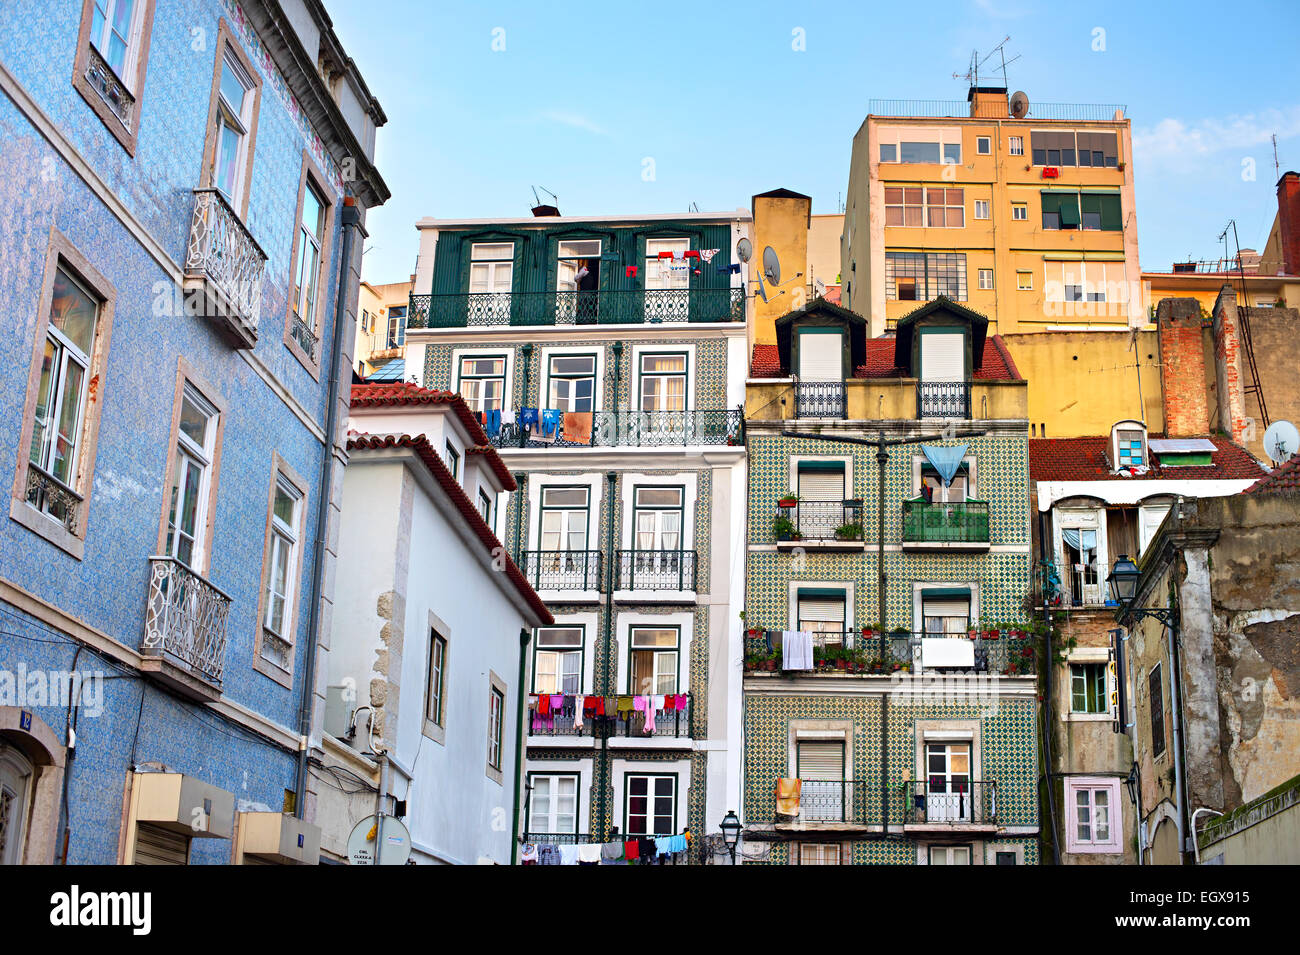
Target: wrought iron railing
x,y
863,646
936,108
185,618
222,251
820,520
304,335
646,429
943,399
656,570
600,307
1002,654
563,569
47,493
563,838
847,801
966,522
820,399
563,722
951,801
105,81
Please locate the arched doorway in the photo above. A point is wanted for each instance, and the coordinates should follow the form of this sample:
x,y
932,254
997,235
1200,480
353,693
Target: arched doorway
x,y
31,788
16,774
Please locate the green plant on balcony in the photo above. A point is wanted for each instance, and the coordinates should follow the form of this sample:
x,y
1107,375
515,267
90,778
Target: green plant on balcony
x,y
784,529
849,532
788,499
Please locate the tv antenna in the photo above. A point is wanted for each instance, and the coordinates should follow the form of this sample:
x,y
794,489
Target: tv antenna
x,y
537,201
1277,170
972,75
1252,384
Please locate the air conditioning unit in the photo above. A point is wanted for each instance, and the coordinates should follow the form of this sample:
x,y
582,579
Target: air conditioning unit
x,y
338,710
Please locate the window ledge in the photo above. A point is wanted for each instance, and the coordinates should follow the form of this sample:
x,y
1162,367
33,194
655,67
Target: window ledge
x,y
270,670
42,525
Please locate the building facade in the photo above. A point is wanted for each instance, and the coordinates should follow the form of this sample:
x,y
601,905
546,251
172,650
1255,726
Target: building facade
x,y
607,360
380,351
182,249
911,735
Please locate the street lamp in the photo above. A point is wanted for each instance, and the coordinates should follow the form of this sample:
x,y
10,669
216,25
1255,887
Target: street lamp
x,y
1131,784
1123,580
731,827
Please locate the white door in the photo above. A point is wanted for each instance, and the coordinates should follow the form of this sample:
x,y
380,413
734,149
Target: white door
x,y
15,787
948,782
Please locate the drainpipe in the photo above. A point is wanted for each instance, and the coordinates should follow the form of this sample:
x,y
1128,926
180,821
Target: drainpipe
x,y
525,637
606,773
523,400
306,707
1176,710
884,760
1049,709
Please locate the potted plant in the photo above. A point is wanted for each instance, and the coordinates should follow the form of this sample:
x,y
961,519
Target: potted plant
x,y
989,630
784,529
751,662
849,532
788,499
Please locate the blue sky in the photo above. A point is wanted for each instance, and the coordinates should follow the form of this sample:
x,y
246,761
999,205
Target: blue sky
x,y
716,95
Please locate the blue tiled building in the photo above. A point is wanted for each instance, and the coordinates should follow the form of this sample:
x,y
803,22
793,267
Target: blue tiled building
x,y
180,202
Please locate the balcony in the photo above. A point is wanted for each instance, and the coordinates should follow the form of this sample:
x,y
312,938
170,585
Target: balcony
x,y
943,399
105,81
820,399
942,805
863,652
47,493
828,525
674,724
671,570
603,307
644,429
223,269
304,335
563,569
945,526
835,804
184,629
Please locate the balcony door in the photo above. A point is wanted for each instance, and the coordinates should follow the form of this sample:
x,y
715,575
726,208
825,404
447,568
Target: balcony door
x,y
1080,554
491,277
577,282
820,770
663,384
948,783
955,493
821,354
562,539
658,515
823,615
656,652
821,499
554,806
667,280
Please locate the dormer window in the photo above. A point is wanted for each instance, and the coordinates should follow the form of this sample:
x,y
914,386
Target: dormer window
x,y
1128,444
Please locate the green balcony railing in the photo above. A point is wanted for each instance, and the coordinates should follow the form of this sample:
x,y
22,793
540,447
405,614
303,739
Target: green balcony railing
x,y
602,307
939,523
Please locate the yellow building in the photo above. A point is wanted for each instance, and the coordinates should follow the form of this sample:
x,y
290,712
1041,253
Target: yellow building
x,y
380,349
1029,221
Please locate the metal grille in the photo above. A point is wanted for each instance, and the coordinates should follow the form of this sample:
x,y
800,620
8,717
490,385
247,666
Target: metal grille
x,y
563,569
656,570
604,307
940,800
939,108
113,91
222,251
185,618
966,522
825,520
935,274
304,335
943,399
820,399
647,429
49,494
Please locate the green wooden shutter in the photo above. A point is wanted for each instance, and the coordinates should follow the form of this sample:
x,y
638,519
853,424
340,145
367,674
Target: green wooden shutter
x,y
1112,218
1069,210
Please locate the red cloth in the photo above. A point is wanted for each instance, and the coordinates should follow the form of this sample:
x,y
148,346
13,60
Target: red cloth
x,y
692,253
543,704
631,271
632,849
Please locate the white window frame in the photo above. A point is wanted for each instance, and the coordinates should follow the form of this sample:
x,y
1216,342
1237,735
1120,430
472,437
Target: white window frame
x,y
1115,821
189,451
981,209
240,120
983,145
1019,212
1024,280
284,541
476,403
313,243
1015,145
130,56
556,656
650,814
659,278
984,274
551,797
496,727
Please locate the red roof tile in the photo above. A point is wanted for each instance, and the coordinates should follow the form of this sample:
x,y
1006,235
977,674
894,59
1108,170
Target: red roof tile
x,y
496,464
997,365
766,362
1285,477
421,446
1085,459
400,394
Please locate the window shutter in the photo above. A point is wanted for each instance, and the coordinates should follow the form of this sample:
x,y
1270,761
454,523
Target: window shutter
x,y
158,846
1069,210
1112,219
821,485
946,608
1051,202
822,760
820,358
943,357
821,610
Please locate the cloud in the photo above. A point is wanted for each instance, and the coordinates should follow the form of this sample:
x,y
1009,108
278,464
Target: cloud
x,y
1171,139
574,120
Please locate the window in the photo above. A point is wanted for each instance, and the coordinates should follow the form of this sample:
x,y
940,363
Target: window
x,y
818,853
112,33
981,209
485,506
920,276
1097,149
1024,281
948,782
572,382
663,382
1019,211
1004,858
950,855
904,206
1088,688
663,273
281,573
453,461
913,144
483,382
112,56
233,117
557,660
1095,282
655,653
986,278
1092,826
1060,210
396,326
946,615
61,398
491,280
1130,446
435,703
651,805
1016,145
958,489
821,767
496,727
1157,699
983,145
553,804
577,272
824,614
1079,546
930,206
1070,149
657,518
187,510
309,256
564,518
1101,211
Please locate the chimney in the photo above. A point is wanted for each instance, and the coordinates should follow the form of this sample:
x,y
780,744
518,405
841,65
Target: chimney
x,y
1227,366
1288,217
988,102
545,211
1182,367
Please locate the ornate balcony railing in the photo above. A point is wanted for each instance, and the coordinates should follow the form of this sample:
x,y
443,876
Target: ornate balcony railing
x,y
844,801
656,570
47,493
563,569
223,254
563,838
304,335
600,307
645,429
820,520
563,722
110,87
933,523
943,399
820,399
941,800
1003,654
185,619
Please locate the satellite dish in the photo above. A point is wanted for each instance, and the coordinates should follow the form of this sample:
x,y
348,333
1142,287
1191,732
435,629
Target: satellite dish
x,y
744,250
386,837
1019,104
761,290
1281,441
771,266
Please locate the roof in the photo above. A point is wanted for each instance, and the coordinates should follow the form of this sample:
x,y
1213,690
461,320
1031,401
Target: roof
x,y
1085,459
857,326
405,395
392,370
879,362
424,450
1285,477
903,328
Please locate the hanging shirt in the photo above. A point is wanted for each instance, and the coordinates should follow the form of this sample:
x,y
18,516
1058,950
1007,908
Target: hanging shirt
x,y
528,417
568,855
589,854
550,421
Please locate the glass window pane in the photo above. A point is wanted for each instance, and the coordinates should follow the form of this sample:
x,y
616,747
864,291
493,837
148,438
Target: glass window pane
x,y
65,440
285,505
194,422
44,403
73,312
654,637
232,88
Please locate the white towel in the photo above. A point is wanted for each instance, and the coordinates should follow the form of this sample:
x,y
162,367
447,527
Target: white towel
x,y
568,855
796,650
589,853
507,416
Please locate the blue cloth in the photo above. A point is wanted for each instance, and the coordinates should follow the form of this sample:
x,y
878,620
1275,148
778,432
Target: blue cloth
x,y
945,460
550,421
528,417
663,845
493,421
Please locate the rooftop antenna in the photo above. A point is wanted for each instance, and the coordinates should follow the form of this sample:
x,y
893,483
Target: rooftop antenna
x,y
1252,384
972,75
1277,170
693,207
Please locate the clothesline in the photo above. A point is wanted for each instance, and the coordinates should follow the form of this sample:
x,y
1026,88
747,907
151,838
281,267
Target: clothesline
x,y
545,706
642,850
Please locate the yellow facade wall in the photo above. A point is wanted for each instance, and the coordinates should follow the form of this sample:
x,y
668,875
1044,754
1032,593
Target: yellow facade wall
x,y
782,223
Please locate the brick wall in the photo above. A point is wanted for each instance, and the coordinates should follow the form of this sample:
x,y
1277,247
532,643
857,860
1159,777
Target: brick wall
x,y
1228,369
1288,212
1182,367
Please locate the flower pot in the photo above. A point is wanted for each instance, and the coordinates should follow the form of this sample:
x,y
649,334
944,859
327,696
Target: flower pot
x,y
787,502
769,665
